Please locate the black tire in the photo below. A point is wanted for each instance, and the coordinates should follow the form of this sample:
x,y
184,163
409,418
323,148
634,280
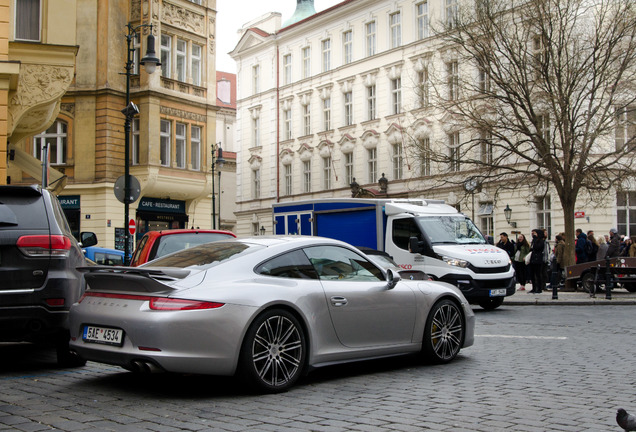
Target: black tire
x,y
65,357
273,352
491,303
444,332
587,282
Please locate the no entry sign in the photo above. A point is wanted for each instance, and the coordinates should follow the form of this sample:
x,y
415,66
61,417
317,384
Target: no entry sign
x,y
131,226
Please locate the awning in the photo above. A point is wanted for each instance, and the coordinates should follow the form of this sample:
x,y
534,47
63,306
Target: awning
x,y
33,167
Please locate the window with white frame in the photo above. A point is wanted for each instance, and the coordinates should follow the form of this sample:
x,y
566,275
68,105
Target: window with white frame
x,y
256,132
540,55
255,229
347,46
135,141
307,176
56,139
166,56
372,165
306,62
371,105
307,119
398,161
626,212
451,10
395,26
396,96
256,79
425,151
182,55
452,79
484,81
326,173
180,144
287,68
195,64
370,38
453,151
544,214
543,127
195,148
135,54
326,113
423,87
485,218
348,108
625,130
27,20
326,55
287,118
256,183
164,143
421,13
289,181
486,148
348,166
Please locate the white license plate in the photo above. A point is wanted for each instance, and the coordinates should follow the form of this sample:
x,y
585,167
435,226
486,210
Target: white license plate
x,y
103,335
498,292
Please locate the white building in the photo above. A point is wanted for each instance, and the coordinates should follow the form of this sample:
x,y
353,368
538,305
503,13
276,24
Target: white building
x,y
337,96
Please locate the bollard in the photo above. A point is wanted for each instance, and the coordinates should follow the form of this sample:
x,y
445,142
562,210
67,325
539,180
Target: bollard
x,y
608,286
555,295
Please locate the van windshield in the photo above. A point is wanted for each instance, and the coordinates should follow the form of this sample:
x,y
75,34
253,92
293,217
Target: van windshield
x,y
450,230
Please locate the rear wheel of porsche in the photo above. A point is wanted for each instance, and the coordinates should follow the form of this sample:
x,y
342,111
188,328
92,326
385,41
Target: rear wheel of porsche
x,y
444,333
273,352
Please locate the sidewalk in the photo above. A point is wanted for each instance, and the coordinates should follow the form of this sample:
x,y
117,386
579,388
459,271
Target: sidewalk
x,y
620,296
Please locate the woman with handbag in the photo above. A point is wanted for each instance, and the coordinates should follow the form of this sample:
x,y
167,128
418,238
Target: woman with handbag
x,y
522,249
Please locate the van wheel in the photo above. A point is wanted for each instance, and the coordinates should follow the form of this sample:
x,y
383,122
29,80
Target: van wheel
x,y
491,303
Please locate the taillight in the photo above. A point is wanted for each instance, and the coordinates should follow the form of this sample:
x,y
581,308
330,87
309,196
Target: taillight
x,y
44,246
170,304
158,303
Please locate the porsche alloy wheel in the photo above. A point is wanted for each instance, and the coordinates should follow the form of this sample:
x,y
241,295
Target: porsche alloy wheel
x,y
444,333
273,354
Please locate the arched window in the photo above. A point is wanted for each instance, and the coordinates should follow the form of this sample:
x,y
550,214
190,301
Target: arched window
x,y
56,139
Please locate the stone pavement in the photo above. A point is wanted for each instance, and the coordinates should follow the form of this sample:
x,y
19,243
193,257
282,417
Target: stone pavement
x,y
619,296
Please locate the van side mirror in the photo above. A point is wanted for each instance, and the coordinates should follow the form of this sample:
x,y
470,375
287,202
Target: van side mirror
x,y
414,245
87,239
392,279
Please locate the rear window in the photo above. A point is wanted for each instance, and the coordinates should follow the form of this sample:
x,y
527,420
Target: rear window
x,y
26,212
206,255
176,242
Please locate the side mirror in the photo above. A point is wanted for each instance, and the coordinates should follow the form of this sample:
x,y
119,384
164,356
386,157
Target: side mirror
x,y
87,239
414,245
392,279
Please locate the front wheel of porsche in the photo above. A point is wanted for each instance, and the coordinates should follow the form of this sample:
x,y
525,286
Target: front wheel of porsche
x,y
273,352
444,333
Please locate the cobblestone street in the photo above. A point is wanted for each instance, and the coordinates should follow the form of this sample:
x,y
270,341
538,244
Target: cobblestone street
x,y
532,368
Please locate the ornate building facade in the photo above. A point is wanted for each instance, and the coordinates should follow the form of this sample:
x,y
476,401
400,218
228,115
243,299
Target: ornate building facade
x,y
329,106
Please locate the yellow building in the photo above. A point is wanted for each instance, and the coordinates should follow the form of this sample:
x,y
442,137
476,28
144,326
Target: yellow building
x,y
173,135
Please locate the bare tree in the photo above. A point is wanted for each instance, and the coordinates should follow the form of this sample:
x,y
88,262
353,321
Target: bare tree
x,y
544,95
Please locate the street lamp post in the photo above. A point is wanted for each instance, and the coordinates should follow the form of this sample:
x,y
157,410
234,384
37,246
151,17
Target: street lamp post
x,y
150,63
216,160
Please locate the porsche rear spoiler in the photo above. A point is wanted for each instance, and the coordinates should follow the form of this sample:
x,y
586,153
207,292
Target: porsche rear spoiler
x,y
131,279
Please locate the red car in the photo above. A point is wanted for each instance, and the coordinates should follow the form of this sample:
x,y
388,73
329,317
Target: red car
x,y
155,244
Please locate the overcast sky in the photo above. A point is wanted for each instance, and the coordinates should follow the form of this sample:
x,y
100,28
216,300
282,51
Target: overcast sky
x,y
232,14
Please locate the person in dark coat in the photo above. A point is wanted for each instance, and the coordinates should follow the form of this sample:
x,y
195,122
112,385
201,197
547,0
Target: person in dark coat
x,y
505,244
614,244
579,247
537,261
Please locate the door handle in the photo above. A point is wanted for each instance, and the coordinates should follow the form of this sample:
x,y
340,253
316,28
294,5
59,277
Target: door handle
x,y
338,301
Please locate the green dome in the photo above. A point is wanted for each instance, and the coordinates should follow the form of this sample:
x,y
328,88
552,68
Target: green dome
x,y
304,9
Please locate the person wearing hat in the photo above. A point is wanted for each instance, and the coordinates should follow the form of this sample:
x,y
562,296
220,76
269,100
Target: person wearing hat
x,y
614,244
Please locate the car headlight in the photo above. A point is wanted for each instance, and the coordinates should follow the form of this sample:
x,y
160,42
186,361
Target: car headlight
x,y
455,261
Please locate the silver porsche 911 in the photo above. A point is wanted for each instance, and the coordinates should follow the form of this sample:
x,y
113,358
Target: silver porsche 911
x,y
264,308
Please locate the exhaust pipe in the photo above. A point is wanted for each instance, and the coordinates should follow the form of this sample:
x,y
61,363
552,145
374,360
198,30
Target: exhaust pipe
x,y
144,367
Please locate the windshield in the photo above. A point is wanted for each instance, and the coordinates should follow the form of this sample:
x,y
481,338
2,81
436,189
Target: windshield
x,y
450,230
205,256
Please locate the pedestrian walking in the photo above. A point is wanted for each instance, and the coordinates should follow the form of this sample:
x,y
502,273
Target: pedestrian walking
x,y
580,247
602,248
613,250
558,263
537,261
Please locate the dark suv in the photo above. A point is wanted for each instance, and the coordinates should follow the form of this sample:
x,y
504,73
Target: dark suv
x,y
38,260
